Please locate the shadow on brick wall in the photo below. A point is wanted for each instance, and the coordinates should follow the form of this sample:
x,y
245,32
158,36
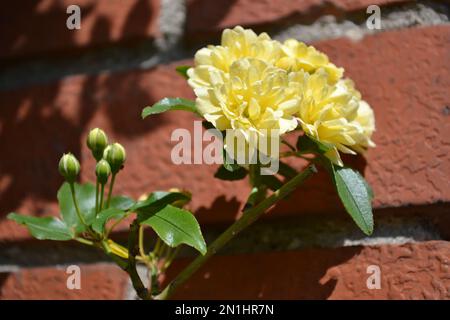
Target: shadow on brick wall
x,y
37,29
38,124
306,274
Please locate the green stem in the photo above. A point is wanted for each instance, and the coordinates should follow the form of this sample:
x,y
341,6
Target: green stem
x,y
75,203
116,224
122,263
249,216
102,191
157,247
141,241
133,249
111,186
96,197
84,241
170,258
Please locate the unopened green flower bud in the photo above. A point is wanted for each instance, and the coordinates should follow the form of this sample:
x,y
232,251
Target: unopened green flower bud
x,y
97,142
102,171
115,155
69,167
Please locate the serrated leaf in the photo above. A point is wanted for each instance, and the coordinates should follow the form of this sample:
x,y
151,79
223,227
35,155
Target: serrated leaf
x,y
353,193
155,202
103,216
121,202
176,226
85,195
182,70
225,174
45,228
169,104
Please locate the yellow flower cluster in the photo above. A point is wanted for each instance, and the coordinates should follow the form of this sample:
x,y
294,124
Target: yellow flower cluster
x,y
251,82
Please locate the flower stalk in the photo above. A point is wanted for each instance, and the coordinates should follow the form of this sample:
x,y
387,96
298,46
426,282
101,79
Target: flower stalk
x,y
248,217
75,204
111,186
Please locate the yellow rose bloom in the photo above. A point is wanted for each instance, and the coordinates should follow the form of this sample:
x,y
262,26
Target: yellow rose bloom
x,y
366,120
298,56
236,43
335,115
254,95
251,82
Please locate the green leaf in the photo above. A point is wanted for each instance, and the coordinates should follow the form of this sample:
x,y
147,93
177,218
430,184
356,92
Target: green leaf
x,y
308,144
352,190
368,187
155,202
176,226
168,104
85,195
45,228
103,216
121,202
182,70
224,174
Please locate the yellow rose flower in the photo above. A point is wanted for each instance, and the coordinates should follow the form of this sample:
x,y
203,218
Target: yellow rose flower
x,y
298,56
250,83
236,43
254,95
335,115
366,120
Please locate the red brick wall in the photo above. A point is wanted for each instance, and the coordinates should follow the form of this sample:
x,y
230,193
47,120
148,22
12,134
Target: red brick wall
x,y
404,74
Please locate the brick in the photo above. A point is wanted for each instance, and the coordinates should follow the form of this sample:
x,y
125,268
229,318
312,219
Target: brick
x,y
38,27
409,271
402,74
98,282
207,18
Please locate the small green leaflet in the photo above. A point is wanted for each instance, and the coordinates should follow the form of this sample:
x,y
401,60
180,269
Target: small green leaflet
x,y
169,104
121,202
45,228
354,194
155,202
85,195
112,213
182,70
176,226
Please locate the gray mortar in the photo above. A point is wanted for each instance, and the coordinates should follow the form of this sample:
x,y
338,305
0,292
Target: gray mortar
x,y
354,25
309,232
303,232
171,48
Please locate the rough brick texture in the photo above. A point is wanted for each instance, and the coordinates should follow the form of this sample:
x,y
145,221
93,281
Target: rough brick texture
x,y
403,74
98,281
206,18
406,69
38,27
410,271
